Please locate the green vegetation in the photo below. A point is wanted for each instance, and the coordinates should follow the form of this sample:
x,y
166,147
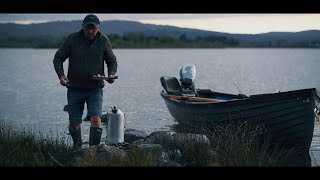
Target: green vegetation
x,y
132,40
140,40
12,42
230,145
246,144
22,148
282,44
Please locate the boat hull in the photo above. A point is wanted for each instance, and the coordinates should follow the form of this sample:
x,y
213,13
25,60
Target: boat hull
x,y
286,116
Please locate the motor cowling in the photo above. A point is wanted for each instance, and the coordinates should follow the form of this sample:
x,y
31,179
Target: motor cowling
x,y
187,78
116,124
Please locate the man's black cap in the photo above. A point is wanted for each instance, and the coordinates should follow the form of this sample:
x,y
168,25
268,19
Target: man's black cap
x,y
91,19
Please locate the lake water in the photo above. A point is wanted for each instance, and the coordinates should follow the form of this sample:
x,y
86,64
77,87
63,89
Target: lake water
x,y
31,96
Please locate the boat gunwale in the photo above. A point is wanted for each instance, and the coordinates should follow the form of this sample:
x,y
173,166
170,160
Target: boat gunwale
x,y
257,97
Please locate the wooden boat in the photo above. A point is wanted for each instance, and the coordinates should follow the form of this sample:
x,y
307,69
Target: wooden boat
x,y
288,116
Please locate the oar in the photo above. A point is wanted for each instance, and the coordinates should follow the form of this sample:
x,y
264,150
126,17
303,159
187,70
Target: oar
x,y
191,98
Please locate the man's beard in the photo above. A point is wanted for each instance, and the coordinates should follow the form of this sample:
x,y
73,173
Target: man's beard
x,y
89,37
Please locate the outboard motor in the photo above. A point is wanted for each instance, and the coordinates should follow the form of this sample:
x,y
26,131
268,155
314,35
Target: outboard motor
x,y
115,129
187,77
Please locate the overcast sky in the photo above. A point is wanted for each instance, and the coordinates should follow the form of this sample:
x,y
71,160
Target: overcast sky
x,y
230,23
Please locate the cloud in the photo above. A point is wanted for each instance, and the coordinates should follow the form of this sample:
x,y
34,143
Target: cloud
x,y
230,23
103,17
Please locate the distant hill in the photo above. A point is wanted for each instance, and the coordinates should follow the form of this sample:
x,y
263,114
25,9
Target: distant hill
x,y
58,29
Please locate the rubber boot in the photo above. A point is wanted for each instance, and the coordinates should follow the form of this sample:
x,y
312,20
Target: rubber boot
x,y
95,136
76,137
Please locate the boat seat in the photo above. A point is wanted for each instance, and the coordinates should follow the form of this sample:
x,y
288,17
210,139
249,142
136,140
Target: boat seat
x,y
171,85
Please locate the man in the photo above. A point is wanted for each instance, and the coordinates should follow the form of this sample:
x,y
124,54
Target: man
x,y
87,51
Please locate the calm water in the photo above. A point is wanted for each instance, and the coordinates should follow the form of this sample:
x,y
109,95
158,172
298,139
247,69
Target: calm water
x,y
31,96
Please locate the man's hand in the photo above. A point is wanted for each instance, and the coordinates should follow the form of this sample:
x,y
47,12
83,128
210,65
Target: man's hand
x,y
110,80
64,81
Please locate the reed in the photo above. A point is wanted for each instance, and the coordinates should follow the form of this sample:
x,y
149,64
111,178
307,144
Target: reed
x,y
23,148
243,143
231,144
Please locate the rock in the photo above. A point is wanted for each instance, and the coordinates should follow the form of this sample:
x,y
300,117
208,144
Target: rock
x,y
154,148
98,155
137,142
158,137
191,138
164,160
173,140
169,164
84,157
131,135
160,148
110,155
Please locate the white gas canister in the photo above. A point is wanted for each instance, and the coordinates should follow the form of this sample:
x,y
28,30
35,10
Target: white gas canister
x,y
115,129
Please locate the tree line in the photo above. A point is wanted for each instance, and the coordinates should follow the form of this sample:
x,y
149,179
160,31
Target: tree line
x,y
141,40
